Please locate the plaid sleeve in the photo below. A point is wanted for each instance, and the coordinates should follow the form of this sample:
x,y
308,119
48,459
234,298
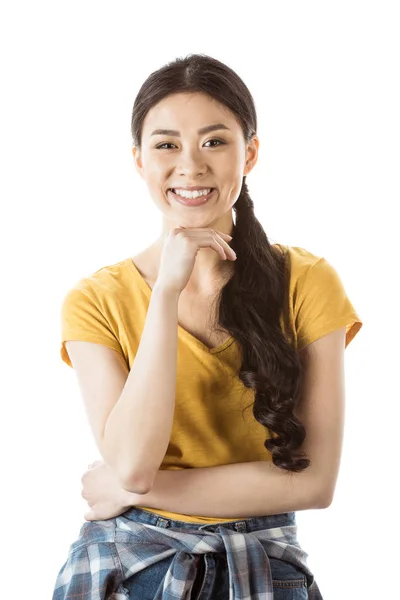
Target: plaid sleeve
x,y
90,573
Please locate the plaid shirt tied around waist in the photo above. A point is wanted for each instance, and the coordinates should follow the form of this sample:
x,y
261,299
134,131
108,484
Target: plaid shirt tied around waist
x,y
108,552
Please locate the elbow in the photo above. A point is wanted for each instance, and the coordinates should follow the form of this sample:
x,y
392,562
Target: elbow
x,y
322,482
325,497
136,484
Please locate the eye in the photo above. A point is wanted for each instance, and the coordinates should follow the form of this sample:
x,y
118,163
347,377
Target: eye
x,y
160,147
219,142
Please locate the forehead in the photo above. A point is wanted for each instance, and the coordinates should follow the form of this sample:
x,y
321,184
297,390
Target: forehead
x,y
188,111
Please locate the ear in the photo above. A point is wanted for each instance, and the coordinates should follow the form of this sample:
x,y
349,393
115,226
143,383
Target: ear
x,y
137,158
251,154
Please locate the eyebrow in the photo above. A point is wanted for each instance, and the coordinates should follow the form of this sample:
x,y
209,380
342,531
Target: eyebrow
x,y
176,133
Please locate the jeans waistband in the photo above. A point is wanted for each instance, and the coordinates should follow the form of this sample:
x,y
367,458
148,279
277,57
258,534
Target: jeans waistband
x,y
242,526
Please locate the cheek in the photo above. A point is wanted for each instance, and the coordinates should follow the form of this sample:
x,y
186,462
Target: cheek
x,y
231,166
232,176
155,173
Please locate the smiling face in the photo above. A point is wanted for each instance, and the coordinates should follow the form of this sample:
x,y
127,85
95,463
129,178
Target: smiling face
x,y
189,141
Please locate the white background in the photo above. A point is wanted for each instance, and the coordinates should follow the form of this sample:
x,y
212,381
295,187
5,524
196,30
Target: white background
x,y
325,78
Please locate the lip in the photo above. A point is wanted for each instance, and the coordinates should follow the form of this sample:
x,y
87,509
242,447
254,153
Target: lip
x,y
191,201
191,188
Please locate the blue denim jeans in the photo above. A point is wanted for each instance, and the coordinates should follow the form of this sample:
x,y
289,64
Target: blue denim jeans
x,y
212,582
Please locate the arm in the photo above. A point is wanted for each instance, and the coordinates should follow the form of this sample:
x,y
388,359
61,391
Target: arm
x,y
260,488
229,491
140,423
131,413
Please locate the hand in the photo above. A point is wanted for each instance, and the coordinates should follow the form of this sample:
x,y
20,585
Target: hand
x,y
179,252
104,493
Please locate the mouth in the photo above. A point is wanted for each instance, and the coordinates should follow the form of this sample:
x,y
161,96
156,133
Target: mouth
x,y
190,200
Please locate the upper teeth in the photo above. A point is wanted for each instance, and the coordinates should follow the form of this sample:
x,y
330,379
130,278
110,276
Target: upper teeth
x,y
192,194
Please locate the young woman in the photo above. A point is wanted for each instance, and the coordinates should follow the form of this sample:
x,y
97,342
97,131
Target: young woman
x,y
211,368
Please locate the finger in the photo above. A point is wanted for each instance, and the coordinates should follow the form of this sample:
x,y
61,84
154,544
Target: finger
x,y
227,249
218,248
222,234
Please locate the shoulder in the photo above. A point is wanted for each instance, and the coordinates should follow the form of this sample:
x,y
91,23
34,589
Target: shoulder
x,y
300,259
92,309
318,299
304,268
100,284
108,278
311,274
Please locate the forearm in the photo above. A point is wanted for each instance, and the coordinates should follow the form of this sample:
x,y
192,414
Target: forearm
x,y
138,430
239,490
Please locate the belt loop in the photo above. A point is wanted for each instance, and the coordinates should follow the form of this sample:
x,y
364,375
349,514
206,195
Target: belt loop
x,y
162,522
241,526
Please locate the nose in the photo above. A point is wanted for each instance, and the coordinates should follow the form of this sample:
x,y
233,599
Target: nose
x,y
191,164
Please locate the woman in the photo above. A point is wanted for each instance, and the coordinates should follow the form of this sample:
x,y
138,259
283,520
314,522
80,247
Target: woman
x,y
173,345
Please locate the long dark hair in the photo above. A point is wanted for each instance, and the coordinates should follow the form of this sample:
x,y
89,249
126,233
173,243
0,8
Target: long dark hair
x,y
253,300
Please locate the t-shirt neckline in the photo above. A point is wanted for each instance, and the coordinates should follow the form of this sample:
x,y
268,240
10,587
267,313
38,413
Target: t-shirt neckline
x,y
148,291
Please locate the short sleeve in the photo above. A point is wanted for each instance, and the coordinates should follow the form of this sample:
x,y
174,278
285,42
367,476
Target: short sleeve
x,y
82,319
322,305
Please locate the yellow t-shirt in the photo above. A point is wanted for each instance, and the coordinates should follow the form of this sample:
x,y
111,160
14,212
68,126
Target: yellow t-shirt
x,y
210,427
